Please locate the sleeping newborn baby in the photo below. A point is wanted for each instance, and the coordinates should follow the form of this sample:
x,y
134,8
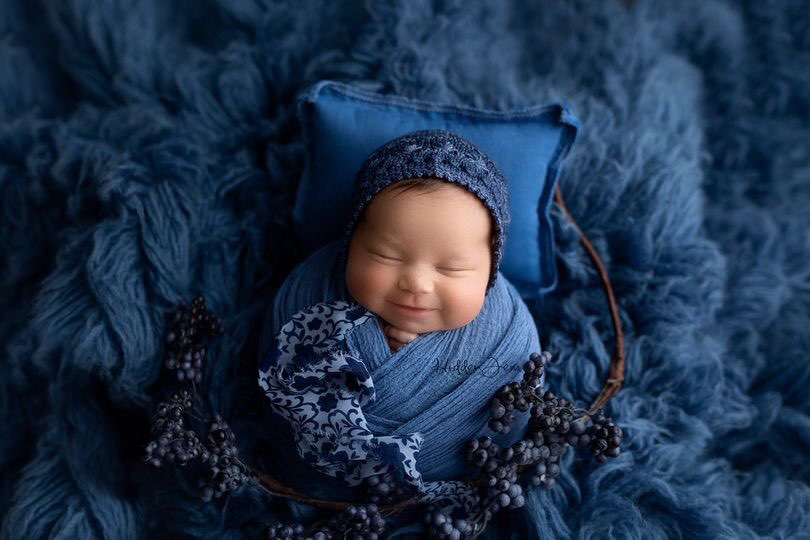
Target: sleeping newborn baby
x,y
364,329
420,258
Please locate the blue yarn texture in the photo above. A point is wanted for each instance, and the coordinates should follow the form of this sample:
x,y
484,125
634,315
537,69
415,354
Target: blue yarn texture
x,y
149,151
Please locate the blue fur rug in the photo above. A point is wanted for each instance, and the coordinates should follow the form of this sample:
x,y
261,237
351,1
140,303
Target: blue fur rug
x,y
149,151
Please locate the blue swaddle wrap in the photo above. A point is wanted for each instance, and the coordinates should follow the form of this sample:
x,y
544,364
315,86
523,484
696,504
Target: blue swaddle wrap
x,y
438,386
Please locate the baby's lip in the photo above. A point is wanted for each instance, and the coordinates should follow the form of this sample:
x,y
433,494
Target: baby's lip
x,y
411,307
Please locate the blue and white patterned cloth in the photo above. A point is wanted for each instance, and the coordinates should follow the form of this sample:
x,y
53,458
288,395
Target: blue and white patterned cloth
x,y
320,386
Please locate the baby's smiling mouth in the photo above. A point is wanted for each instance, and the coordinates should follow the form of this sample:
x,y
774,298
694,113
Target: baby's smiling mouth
x,y
411,309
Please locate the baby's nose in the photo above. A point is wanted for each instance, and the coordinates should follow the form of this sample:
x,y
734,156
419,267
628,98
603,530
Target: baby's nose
x,y
416,280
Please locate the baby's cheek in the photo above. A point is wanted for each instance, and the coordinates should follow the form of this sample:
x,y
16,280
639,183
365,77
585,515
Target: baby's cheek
x,y
366,281
465,304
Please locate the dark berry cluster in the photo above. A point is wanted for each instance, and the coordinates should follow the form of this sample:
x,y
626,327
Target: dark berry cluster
x,y
356,522
515,395
552,426
363,522
190,327
173,441
545,469
285,531
180,445
602,438
385,488
439,525
498,472
225,471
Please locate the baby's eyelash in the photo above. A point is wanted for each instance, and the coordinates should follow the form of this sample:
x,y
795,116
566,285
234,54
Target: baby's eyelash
x,y
384,256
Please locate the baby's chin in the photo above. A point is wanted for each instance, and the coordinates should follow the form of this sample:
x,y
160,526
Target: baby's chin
x,y
416,326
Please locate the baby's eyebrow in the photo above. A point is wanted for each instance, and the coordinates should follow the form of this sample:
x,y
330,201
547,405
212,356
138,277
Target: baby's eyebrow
x,y
459,258
458,263
389,239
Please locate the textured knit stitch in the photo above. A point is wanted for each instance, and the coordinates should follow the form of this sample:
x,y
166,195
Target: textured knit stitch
x,y
434,153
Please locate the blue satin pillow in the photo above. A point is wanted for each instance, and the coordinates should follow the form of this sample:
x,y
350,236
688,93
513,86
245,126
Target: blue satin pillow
x,y
343,124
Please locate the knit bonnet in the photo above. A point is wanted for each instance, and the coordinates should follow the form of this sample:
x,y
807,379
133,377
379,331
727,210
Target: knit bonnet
x,y
440,154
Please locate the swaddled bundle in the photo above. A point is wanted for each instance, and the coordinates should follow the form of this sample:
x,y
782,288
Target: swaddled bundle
x,y
356,408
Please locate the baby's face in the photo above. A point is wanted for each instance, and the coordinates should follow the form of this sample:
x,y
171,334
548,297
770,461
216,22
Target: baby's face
x,y
425,249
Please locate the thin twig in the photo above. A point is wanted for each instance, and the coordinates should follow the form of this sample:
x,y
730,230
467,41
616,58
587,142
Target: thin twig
x,y
616,375
277,488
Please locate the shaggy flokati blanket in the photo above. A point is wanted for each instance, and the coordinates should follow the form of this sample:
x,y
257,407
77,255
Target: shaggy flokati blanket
x,y
149,152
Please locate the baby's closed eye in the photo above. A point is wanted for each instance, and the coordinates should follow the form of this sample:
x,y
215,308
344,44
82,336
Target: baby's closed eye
x,y
387,257
445,269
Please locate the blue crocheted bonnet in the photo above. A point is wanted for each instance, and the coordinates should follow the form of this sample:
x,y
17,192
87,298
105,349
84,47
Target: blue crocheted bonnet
x,y
434,153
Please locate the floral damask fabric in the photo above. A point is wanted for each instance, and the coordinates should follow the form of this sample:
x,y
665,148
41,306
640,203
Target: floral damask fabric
x,y
315,381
